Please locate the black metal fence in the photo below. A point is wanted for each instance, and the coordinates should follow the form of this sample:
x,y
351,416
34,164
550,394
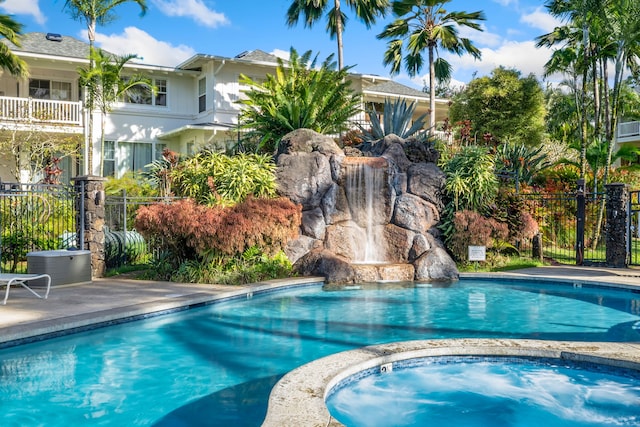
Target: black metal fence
x,y
123,244
557,217
35,217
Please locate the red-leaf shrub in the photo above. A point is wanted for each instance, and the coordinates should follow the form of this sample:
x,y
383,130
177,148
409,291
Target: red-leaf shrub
x,y
190,230
472,229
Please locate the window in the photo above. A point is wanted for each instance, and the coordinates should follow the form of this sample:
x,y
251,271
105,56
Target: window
x,y
159,149
109,159
202,94
61,91
122,157
39,89
143,95
49,89
161,94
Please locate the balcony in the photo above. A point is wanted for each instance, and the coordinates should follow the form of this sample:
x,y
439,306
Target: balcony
x,y
628,132
50,115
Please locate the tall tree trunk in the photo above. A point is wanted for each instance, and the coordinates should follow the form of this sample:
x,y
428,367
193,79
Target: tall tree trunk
x,y
339,33
90,101
432,91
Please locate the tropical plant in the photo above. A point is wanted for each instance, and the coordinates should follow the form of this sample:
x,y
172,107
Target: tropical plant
x,y
425,25
158,172
130,184
598,33
596,159
213,178
302,94
105,84
520,162
471,185
93,13
11,31
471,179
397,119
505,105
312,10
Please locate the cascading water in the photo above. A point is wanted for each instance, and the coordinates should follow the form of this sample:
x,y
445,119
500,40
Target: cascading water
x,y
364,188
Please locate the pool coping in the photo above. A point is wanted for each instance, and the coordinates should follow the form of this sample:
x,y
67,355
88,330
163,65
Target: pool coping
x,y
298,399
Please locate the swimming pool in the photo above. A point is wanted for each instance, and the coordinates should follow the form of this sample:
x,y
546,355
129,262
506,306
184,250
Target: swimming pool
x,y
215,365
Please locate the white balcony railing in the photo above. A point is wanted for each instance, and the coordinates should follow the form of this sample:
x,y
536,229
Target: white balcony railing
x,y
45,111
629,129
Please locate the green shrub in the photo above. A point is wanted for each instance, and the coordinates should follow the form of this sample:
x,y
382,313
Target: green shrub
x,y
213,178
253,266
133,184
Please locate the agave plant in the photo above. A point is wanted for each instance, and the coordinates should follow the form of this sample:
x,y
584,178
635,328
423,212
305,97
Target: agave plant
x,y
397,119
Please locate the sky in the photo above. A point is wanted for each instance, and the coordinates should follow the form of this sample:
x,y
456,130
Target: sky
x,y
174,30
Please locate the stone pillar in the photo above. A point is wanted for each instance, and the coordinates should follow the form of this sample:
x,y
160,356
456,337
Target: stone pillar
x,y
90,219
617,225
537,251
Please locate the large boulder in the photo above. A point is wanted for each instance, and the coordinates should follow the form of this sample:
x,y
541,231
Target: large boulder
x,y
304,178
435,265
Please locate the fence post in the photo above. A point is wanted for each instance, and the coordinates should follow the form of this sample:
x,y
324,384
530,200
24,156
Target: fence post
x,y
90,215
617,225
580,218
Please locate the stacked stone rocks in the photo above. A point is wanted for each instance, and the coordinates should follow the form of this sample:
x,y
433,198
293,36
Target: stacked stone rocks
x,y
311,172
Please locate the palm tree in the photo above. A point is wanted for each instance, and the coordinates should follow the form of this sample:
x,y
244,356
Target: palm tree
x,y
610,34
93,13
11,30
578,54
312,10
106,84
425,25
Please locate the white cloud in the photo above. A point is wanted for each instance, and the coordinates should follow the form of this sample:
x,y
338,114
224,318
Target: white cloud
x,y
284,54
522,56
480,38
24,7
540,20
506,2
136,41
195,9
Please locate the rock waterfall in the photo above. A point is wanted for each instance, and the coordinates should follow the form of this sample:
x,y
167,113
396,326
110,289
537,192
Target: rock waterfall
x,y
349,236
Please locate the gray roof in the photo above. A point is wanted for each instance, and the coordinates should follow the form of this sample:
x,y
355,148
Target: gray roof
x,y
257,56
38,43
393,88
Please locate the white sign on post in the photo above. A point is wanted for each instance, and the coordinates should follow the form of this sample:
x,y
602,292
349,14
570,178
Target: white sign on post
x,y
477,253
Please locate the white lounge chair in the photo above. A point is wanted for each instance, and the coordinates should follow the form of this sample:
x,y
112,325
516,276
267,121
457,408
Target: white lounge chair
x,y
8,279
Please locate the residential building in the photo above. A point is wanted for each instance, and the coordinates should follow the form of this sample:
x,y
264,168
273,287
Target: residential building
x,y
195,104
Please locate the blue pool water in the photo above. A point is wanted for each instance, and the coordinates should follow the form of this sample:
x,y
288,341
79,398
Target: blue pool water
x,y
484,391
215,365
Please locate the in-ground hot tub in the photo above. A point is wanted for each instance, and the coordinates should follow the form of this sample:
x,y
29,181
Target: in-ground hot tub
x,y
480,391
470,382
